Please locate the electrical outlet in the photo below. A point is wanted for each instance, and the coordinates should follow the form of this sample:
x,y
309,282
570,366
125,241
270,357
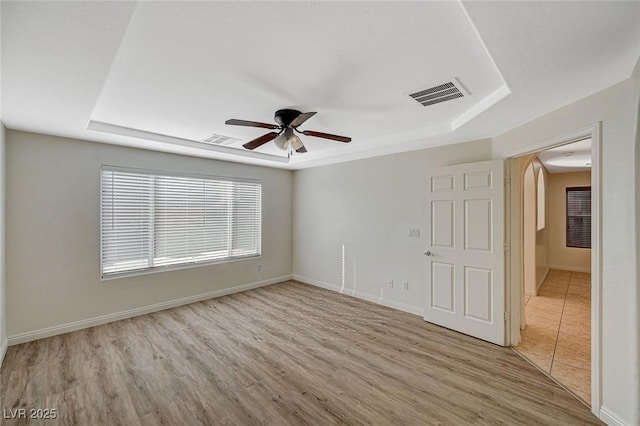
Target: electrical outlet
x,y
259,267
406,285
391,283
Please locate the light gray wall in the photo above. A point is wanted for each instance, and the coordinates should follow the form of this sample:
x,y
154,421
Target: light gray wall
x,y
53,265
617,109
368,206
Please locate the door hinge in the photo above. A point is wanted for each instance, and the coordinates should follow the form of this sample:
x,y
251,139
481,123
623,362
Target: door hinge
x,y
507,179
507,246
507,316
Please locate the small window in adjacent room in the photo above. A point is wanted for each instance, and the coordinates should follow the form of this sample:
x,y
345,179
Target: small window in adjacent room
x,y
579,217
155,220
541,201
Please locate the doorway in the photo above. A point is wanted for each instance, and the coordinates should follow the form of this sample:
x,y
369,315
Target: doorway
x,y
554,279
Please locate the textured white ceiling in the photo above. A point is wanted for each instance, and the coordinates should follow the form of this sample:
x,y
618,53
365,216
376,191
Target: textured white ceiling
x,y
170,73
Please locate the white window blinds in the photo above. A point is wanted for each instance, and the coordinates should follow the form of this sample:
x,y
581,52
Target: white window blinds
x,y
153,220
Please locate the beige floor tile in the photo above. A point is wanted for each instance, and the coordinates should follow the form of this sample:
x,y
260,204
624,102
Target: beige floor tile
x,y
542,363
573,311
553,273
549,322
573,350
577,293
551,293
576,379
575,325
558,283
526,299
586,397
546,304
583,284
579,300
575,286
583,276
558,334
542,308
538,342
578,304
577,329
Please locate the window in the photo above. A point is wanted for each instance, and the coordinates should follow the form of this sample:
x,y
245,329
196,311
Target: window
x,y
541,200
151,220
579,217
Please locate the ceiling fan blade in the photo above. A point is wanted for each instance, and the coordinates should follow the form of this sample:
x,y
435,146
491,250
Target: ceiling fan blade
x,y
302,118
235,122
261,140
327,136
302,149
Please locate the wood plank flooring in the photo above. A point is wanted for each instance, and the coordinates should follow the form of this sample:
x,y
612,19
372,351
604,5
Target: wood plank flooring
x,y
284,354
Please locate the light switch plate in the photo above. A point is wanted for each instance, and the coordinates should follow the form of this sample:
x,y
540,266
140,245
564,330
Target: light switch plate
x,y
414,232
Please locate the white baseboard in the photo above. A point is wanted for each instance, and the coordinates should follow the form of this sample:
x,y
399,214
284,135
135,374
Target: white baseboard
x,y
103,319
364,296
570,269
3,350
609,418
544,277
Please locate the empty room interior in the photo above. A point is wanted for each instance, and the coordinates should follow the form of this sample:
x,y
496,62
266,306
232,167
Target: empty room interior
x,y
319,213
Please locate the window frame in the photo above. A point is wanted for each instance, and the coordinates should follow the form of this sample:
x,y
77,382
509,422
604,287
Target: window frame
x,y
566,200
172,267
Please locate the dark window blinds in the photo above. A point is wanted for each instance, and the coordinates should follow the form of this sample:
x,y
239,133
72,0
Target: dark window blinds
x,y
579,217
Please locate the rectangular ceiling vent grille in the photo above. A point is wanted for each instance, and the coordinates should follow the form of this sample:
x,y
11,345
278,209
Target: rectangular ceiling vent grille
x,y
440,93
219,140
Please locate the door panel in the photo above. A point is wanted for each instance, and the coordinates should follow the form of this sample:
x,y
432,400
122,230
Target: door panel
x,y
477,225
442,214
441,183
478,294
443,288
465,256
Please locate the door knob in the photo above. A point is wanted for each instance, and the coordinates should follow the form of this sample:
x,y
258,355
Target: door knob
x,y
428,253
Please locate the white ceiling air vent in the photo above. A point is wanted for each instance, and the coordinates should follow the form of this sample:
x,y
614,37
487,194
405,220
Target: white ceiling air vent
x,y
440,93
219,140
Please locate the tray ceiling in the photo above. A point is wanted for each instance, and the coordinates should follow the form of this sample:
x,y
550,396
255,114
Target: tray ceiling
x,y
166,75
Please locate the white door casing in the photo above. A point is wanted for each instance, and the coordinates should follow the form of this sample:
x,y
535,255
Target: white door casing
x,y
465,250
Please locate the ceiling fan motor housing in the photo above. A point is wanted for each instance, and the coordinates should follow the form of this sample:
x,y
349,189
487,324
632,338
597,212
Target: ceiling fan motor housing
x,y
285,117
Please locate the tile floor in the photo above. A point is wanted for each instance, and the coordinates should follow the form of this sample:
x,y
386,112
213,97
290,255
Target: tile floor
x,y
557,337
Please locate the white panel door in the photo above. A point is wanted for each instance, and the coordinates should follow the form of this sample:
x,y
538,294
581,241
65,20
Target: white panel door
x,y
465,250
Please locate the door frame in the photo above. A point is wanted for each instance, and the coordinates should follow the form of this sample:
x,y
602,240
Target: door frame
x,y
514,237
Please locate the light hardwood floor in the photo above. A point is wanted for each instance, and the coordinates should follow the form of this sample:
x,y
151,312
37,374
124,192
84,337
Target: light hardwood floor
x,y
284,354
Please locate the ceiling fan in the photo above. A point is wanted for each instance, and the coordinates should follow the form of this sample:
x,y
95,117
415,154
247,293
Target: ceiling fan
x,y
288,121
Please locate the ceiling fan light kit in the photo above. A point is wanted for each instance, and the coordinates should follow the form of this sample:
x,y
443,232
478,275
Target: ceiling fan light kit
x,y
285,138
288,138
